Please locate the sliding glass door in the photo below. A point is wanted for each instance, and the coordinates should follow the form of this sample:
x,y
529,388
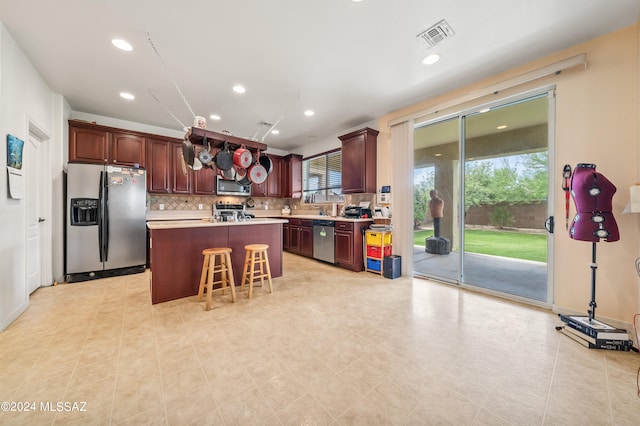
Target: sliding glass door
x,y
437,168
489,169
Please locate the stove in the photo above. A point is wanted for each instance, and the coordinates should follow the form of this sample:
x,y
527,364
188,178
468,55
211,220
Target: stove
x,y
230,213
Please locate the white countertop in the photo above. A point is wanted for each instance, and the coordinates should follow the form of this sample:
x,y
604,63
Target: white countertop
x,y
325,217
205,223
173,215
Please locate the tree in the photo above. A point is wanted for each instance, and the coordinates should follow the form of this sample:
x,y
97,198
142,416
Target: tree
x,y
518,179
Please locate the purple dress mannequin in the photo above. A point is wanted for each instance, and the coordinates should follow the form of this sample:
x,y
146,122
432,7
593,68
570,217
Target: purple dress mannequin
x,y
592,194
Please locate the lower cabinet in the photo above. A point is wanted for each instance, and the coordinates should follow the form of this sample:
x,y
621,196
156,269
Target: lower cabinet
x,y
298,237
306,238
348,245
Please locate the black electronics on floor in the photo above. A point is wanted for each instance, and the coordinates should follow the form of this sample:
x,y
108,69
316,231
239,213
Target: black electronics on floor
x,y
438,245
391,266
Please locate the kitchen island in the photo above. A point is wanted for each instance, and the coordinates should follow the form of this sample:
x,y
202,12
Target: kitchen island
x,y
176,251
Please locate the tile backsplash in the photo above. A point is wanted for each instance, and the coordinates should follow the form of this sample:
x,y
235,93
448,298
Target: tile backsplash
x,y
191,202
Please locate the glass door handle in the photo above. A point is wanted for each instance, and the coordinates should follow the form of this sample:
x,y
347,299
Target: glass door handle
x,y
549,224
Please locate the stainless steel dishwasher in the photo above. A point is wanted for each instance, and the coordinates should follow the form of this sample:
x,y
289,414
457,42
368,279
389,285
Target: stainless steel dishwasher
x,y
323,240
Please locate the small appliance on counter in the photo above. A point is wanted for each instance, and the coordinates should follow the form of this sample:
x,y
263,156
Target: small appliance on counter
x,y
230,213
356,212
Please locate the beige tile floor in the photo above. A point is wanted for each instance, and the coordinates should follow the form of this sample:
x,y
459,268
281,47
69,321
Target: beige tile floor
x,y
328,347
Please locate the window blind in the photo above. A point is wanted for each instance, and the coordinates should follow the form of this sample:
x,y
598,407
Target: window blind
x,y
322,177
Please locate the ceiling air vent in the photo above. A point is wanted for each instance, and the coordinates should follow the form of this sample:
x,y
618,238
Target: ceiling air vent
x,y
436,34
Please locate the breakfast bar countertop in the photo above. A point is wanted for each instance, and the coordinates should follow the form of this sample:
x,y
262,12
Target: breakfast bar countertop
x,y
206,223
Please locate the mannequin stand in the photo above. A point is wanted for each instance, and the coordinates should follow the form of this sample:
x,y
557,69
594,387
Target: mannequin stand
x,y
594,267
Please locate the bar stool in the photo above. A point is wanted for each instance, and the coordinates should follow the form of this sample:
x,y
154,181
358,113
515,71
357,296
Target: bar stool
x,y
256,255
216,261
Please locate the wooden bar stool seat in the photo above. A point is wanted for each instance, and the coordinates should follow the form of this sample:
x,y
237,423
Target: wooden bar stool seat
x,y
217,261
256,266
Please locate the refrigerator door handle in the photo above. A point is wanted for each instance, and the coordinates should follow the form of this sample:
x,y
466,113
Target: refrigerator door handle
x,y
106,217
105,214
103,226
100,215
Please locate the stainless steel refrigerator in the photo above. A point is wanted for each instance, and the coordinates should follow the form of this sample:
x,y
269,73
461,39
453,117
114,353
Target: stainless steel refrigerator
x,y
106,226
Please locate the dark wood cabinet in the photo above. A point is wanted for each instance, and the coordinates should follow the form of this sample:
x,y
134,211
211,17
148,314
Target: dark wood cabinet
x,y
92,143
292,176
88,145
306,238
180,181
126,149
274,182
204,180
165,174
159,154
286,232
348,245
344,248
294,235
297,236
359,151
272,187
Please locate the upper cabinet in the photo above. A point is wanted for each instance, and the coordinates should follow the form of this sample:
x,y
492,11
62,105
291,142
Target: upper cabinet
x,y
272,187
166,174
359,150
292,176
91,143
126,149
159,156
88,145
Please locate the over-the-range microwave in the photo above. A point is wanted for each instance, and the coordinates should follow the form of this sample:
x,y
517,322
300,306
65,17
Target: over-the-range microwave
x,y
231,187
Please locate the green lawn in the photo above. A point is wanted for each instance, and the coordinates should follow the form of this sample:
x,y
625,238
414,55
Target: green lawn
x,y
498,243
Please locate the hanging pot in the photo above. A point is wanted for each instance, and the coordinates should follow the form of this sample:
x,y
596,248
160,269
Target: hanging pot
x,y
224,158
257,173
242,157
188,153
205,156
227,174
242,176
240,173
266,162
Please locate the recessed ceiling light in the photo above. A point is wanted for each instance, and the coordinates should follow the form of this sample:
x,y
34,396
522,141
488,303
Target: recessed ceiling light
x,y
239,89
275,131
431,59
501,127
437,155
309,113
127,96
122,44
214,117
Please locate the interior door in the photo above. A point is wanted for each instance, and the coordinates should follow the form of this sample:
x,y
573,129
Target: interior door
x,y
34,179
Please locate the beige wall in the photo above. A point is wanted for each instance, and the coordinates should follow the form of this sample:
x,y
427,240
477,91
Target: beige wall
x,y
596,122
